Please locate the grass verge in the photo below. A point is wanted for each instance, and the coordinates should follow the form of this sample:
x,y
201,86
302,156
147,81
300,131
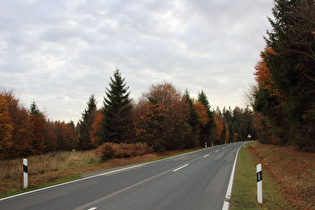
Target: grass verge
x,y
244,193
19,191
59,167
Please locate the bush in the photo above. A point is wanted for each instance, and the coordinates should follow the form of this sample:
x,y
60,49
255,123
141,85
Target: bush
x,y
110,150
105,151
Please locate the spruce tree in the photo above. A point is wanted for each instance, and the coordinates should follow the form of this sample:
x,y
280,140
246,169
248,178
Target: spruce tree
x,y
34,109
117,121
193,122
85,125
37,121
292,68
206,132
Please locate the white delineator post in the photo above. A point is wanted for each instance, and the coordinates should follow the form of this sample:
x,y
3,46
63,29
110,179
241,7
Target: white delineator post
x,y
259,184
25,173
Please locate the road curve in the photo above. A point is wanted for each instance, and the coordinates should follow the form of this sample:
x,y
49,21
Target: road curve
x,y
196,180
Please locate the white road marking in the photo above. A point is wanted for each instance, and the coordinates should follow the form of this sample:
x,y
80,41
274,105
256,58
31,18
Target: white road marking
x,y
93,208
206,156
217,151
226,203
180,167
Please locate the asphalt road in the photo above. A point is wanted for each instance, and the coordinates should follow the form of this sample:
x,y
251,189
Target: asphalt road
x,y
196,180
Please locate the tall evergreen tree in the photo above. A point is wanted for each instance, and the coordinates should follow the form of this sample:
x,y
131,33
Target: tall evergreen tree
x,y
193,122
292,71
37,130
34,109
117,120
207,132
85,125
228,119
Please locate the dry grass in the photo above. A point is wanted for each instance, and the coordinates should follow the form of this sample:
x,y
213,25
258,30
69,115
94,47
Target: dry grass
x,y
43,168
58,166
293,170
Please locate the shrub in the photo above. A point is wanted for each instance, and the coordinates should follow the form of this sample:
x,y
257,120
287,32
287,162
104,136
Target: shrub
x,y
110,150
105,151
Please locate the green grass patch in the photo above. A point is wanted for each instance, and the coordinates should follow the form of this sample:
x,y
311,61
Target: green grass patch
x,y
244,193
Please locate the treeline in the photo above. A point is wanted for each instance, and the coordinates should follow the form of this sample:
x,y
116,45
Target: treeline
x,y
26,132
164,119
285,96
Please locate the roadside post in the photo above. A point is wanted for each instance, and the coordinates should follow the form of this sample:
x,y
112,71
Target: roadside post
x,y
259,184
205,144
25,173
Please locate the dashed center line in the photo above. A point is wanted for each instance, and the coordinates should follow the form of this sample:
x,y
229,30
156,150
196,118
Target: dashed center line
x,y
206,156
217,151
180,167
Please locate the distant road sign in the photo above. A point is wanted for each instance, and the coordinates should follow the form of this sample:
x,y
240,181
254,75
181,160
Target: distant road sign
x,y
249,136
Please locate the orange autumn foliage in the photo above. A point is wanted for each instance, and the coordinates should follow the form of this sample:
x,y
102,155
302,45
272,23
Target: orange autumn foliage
x,y
6,128
202,114
264,76
96,129
218,129
160,117
37,134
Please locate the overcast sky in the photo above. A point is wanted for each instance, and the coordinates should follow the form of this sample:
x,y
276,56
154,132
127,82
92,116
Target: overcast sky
x,y
59,52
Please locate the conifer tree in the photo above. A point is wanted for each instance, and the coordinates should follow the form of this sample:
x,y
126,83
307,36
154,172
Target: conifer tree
x,y
85,125
34,110
193,122
37,130
291,65
207,132
117,121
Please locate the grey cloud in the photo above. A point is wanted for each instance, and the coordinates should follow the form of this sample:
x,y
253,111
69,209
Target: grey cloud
x,y
60,52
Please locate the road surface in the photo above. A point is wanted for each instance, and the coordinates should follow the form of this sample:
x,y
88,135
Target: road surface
x,y
196,180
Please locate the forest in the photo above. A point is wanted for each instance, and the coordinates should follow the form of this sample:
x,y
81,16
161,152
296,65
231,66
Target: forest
x,y
284,95
282,110
163,118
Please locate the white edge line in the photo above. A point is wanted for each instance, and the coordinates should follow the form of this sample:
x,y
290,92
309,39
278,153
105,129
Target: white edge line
x,y
180,167
94,176
226,203
77,180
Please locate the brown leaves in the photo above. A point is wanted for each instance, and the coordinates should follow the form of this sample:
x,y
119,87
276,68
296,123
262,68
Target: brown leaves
x,y
25,134
96,129
202,114
6,128
264,76
161,115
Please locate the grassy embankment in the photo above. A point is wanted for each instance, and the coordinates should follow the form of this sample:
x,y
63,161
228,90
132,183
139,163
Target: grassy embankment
x,y
58,167
288,175
288,178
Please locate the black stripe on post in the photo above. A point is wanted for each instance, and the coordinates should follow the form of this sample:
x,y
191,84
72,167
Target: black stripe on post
x,y
24,168
259,176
